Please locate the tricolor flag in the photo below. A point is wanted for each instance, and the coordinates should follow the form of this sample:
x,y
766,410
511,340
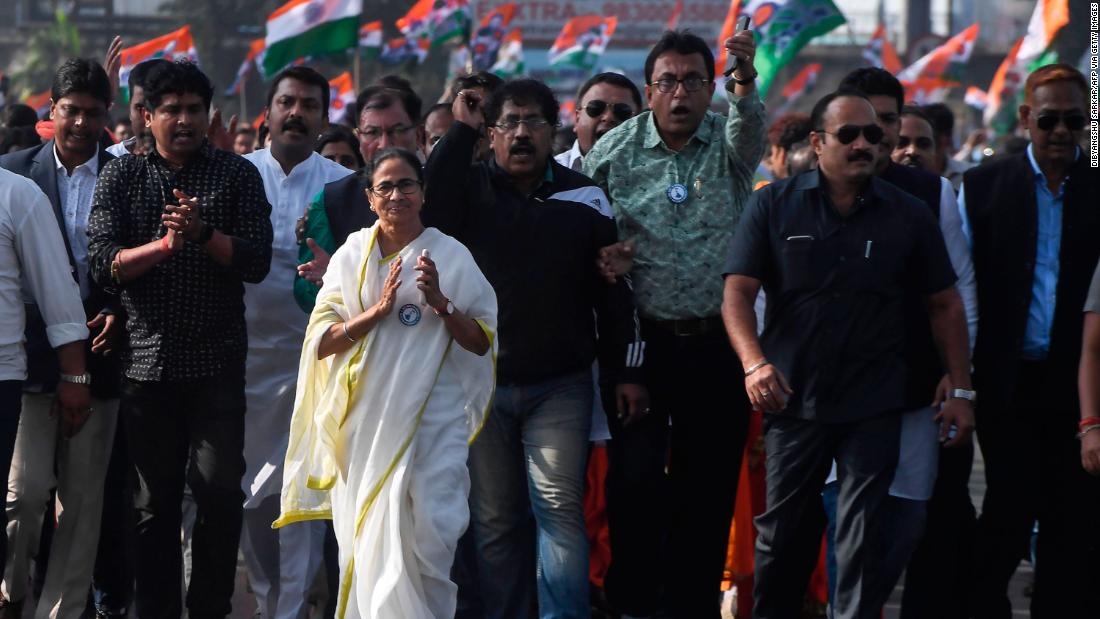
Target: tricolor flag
x,y
582,41
880,53
490,34
370,39
510,62
403,49
929,78
1047,19
39,102
302,28
674,17
976,98
800,85
255,50
341,97
439,21
175,45
782,27
1008,82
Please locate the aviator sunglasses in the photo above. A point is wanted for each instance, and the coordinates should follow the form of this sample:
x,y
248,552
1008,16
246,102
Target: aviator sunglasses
x,y
848,133
620,111
1047,121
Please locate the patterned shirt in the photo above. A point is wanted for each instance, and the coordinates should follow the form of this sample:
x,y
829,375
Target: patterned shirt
x,y
185,316
680,208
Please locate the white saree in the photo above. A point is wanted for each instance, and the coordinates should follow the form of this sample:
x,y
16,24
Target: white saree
x,y
378,440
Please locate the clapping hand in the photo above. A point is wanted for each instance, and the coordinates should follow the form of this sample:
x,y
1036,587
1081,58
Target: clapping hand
x,y
389,288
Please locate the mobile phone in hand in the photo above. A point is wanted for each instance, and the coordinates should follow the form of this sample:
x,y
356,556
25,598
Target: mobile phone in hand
x,y
731,60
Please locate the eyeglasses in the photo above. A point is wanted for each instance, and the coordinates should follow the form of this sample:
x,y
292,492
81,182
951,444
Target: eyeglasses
x,y
72,111
848,133
921,142
406,186
691,83
509,125
620,111
1074,121
372,134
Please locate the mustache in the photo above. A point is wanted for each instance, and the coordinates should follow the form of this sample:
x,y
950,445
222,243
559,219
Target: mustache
x,y
523,147
294,123
680,108
861,155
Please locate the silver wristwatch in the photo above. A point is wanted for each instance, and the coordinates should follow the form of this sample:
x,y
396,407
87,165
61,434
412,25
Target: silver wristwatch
x,y
965,394
77,379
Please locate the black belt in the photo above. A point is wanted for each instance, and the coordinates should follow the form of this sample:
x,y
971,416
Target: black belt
x,y
690,327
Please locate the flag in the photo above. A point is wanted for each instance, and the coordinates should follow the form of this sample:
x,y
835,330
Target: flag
x,y
40,102
490,34
929,78
880,53
175,45
439,21
674,16
800,85
1046,20
302,28
782,27
567,112
510,62
341,97
1008,81
403,49
370,39
976,98
255,50
582,41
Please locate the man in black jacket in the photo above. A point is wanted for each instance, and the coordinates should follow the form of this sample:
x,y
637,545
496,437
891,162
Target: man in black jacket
x,y
1034,225
71,456
535,229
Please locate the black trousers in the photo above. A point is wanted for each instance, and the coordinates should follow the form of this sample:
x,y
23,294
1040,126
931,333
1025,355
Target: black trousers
x,y
669,531
937,580
11,404
194,432
113,578
1033,472
798,457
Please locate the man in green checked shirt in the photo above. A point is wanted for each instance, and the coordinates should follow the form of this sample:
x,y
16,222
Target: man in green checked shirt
x,y
678,177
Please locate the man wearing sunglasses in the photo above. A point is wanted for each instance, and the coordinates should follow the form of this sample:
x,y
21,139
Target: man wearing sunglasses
x,y
1034,224
678,176
838,251
604,102
916,147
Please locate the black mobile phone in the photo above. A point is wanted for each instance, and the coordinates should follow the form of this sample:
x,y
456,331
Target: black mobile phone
x,y
731,60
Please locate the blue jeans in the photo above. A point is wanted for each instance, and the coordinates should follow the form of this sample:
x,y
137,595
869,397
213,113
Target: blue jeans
x,y
529,460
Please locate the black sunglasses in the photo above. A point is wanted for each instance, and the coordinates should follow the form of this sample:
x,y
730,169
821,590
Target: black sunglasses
x,y
596,108
848,133
1074,121
921,142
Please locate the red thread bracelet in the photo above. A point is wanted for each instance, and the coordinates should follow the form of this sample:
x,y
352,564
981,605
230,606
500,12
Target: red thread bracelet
x,y
1088,421
164,244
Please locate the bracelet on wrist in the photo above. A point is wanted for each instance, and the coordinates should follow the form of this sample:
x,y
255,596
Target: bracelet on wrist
x,y
348,335
756,366
1085,430
1088,421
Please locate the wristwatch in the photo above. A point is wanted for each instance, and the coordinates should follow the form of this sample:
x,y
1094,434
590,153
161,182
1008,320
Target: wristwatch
x,y
205,234
747,80
447,310
964,394
77,379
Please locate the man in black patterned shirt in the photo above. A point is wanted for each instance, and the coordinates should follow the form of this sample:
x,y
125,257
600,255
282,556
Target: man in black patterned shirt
x,y
178,231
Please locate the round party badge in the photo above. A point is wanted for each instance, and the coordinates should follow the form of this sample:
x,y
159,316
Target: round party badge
x,y
409,314
677,193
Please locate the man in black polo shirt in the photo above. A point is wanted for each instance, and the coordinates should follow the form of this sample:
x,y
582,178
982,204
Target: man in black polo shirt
x,y
535,228
837,251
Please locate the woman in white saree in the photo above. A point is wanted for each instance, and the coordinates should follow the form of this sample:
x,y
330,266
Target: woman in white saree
x,y
394,381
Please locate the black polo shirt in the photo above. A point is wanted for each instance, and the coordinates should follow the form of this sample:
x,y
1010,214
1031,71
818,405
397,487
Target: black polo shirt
x,y
836,287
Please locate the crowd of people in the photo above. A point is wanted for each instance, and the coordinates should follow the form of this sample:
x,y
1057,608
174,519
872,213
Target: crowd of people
x,y
426,367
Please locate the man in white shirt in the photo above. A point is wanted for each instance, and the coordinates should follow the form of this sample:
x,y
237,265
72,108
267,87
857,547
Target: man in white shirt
x,y
603,103
72,458
282,564
32,254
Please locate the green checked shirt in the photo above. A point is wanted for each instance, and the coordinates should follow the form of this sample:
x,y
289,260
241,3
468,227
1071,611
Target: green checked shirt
x,y
681,208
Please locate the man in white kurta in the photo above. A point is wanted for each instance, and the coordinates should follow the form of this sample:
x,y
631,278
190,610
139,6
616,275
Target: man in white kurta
x,y
281,564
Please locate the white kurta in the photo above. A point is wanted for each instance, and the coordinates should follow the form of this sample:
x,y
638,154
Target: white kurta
x,y
378,440
276,324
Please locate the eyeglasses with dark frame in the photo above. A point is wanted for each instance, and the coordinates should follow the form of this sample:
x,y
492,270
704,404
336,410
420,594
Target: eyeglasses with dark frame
x,y
691,83
406,186
372,134
848,133
509,125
